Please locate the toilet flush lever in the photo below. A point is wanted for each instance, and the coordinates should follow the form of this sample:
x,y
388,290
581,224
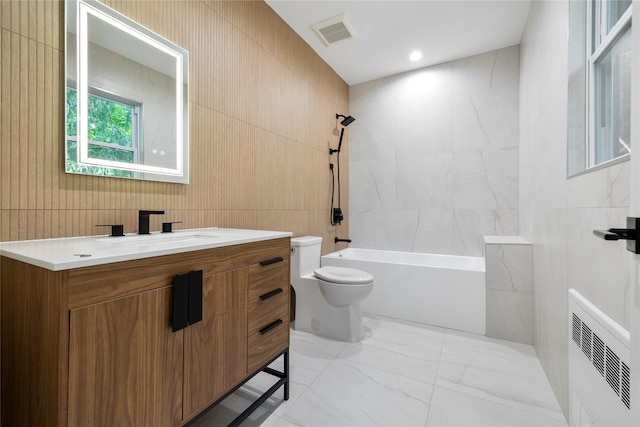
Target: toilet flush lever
x,y
631,234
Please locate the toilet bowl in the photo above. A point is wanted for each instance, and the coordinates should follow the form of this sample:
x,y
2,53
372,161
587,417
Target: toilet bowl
x,y
342,287
327,298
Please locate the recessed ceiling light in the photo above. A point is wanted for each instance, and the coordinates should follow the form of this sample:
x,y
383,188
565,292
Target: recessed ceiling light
x,y
416,55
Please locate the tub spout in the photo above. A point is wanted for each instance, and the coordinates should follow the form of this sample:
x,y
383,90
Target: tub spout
x,y
336,240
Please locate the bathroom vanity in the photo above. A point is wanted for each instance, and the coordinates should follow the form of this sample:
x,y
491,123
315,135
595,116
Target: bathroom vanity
x,y
140,331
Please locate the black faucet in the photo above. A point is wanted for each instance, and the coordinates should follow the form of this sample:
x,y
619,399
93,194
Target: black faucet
x,y
143,220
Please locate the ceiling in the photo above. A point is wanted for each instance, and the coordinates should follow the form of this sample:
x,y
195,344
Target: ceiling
x,y
388,31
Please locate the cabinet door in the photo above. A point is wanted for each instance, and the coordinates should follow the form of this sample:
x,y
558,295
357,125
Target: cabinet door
x,y
125,363
216,348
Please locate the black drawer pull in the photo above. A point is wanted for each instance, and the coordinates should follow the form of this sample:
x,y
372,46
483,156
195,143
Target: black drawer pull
x,y
271,261
270,326
271,294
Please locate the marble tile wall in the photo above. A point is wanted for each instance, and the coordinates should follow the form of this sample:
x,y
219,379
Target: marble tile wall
x,y
557,215
434,156
509,277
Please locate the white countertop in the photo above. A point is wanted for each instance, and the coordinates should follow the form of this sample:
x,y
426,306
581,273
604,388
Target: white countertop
x,y
76,252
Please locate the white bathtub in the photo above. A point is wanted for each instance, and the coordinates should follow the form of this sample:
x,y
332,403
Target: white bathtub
x,y
440,290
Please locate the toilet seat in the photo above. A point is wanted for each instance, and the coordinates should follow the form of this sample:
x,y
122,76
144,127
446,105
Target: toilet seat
x,y
343,276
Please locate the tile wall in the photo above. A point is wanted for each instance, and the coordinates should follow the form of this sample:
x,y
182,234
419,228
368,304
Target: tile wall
x,y
509,281
557,215
434,156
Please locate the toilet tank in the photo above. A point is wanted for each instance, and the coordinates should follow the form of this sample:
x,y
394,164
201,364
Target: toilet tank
x,y
305,255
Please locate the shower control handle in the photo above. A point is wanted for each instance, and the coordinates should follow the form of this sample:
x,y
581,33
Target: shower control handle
x,y
631,234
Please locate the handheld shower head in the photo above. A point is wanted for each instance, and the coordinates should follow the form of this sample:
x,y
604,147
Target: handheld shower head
x,y
346,120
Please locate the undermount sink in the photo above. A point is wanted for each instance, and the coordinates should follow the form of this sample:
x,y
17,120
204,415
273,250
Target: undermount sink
x,y
159,238
166,241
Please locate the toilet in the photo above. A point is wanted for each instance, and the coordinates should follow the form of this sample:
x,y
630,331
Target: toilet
x,y
328,298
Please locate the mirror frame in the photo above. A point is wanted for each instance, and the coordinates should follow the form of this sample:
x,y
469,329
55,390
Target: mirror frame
x,y
82,10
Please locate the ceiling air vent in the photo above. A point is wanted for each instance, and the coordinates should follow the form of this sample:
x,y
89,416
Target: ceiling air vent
x,y
334,29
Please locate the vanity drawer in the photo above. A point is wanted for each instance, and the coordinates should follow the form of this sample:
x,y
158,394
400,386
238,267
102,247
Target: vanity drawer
x,y
268,275
267,308
268,343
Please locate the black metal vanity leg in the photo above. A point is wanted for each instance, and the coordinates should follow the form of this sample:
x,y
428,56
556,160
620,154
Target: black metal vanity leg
x,y
286,374
283,381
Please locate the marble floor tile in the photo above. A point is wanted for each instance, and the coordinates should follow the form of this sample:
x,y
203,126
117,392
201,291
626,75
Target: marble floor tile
x,y
310,355
351,394
404,348
495,370
401,374
450,408
407,338
391,361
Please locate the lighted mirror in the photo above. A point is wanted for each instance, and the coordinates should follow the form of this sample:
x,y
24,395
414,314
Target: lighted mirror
x,y
126,97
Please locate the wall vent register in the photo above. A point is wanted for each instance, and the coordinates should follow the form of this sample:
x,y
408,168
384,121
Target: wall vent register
x,y
599,374
607,363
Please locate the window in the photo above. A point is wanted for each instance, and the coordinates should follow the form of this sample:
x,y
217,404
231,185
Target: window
x,y
610,70
112,132
599,83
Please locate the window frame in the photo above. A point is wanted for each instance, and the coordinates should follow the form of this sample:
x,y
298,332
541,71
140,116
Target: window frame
x,y
597,46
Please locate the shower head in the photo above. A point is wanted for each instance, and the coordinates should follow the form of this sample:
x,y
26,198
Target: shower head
x,y
347,120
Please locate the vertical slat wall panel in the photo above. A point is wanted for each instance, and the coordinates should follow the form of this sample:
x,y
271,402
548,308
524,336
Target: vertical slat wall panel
x,y
5,118
262,107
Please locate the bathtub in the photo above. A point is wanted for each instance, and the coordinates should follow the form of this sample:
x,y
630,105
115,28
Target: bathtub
x,y
439,290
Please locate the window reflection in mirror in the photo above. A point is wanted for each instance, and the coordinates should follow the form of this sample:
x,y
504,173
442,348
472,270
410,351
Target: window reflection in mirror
x,y
112,133
127,105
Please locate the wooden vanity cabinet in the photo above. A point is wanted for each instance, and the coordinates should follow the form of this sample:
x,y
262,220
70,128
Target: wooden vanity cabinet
x,y
94,346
